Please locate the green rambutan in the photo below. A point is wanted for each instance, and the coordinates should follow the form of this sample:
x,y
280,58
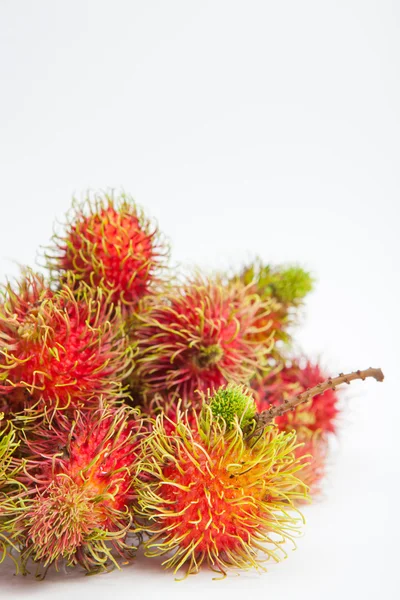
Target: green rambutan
x,y
198,337
285,287
62,348
213,497
232,402
80,480
110,243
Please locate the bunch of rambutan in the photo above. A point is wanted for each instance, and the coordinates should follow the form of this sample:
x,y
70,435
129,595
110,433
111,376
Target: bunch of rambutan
x,y
139,407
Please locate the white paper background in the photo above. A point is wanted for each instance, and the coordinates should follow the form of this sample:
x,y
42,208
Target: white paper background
x,y
246,128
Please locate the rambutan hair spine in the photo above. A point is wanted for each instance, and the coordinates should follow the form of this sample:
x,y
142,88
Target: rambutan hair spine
x,y
211,497
109,242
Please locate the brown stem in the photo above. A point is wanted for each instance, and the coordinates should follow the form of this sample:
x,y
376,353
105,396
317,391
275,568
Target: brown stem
x,y
266,416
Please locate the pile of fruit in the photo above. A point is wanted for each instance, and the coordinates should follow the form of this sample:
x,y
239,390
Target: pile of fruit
x,y
138,407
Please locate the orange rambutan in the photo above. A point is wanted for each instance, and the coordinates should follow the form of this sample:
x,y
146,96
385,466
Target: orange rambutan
x,y
110,243
80,480
62,348
214,497
198,337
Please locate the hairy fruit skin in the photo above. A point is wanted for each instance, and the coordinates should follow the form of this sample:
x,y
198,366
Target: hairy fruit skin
x,y
63,349
198,337
80,477
109,243
213,498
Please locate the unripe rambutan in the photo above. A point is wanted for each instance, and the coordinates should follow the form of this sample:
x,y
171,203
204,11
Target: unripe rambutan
x,y
286,287
198,337
231,403
109,243
80,476
64,348
316,415
214,498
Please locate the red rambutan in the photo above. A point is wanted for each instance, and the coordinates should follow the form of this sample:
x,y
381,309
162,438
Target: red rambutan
x,y
110,244
63,349
80,480
198,337
214,498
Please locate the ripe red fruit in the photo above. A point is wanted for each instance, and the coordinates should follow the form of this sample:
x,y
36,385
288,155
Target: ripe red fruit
x,y
198,337
80,481
64,349
109,243
213,497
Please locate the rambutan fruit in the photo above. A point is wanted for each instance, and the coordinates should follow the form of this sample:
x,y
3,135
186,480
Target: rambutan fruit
x,y
211,497
80,479
289,285
198,337
285,287
64,349
110,243
233,402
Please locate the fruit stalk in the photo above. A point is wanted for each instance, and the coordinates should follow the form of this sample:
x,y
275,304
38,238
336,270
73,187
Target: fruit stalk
x,y
266,416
